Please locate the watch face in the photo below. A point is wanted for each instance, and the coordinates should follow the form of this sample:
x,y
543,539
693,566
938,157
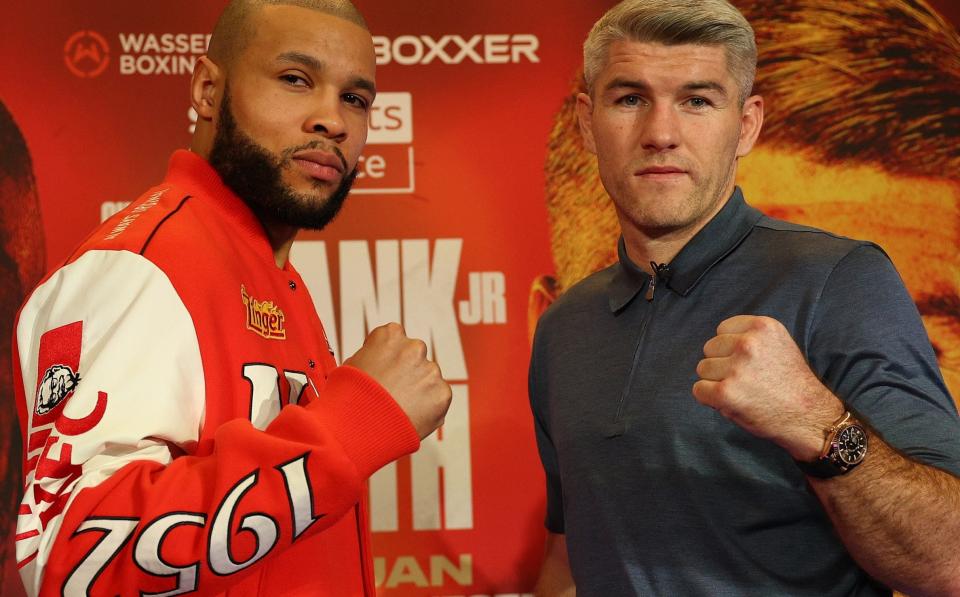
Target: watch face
x,y
852,444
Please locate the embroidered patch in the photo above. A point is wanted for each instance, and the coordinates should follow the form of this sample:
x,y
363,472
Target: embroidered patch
x,y
57,384
263,317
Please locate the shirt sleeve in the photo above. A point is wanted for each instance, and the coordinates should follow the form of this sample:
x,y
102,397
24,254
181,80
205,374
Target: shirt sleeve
x,y
554,521
113,399
869,346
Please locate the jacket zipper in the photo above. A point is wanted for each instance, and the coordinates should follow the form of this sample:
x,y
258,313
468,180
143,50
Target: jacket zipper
x,y
651,287
660,271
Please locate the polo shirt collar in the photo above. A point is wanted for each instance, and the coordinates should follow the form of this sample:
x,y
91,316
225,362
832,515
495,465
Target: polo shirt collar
x,y
715,241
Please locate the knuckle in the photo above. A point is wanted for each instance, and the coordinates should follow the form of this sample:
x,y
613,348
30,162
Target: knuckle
x,y
723,389
420,348
748,344
766,324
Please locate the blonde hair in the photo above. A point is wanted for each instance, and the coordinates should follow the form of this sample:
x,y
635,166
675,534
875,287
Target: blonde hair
x,y
872,82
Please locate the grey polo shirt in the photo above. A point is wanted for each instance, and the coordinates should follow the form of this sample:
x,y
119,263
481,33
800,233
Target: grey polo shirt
x,y
659,495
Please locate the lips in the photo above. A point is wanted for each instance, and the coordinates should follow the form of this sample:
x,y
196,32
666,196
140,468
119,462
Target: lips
x,y
661,170
320,165
661,174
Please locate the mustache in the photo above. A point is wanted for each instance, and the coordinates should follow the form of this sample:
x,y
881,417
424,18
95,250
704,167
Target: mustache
x,y
287,154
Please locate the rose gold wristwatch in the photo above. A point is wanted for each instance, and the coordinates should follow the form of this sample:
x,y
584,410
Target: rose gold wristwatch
x,y
844,449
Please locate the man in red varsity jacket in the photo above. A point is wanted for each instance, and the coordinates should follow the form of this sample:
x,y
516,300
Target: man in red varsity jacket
x,y
186,429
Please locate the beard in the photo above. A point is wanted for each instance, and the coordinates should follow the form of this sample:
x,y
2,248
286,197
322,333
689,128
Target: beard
x,y
255,175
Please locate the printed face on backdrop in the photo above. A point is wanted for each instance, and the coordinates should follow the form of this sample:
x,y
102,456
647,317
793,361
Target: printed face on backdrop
x,y
861,137
667,127
292,119
21,266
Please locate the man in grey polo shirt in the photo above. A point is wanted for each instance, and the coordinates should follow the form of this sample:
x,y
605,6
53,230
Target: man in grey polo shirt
x,y
740,406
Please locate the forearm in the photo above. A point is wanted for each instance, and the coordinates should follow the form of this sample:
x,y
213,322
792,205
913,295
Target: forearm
x,y
899,519
256,494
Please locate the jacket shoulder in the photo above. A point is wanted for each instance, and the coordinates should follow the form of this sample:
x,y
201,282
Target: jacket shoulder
x,y
132,228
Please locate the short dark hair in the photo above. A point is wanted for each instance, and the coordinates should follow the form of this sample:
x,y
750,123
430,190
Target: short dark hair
x,y
233,30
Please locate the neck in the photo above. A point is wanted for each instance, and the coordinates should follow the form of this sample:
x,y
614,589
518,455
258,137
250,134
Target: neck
x,y
642,249
659,245
281,238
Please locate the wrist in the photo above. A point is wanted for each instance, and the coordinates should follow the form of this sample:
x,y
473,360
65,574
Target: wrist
x,y
809,444
844,448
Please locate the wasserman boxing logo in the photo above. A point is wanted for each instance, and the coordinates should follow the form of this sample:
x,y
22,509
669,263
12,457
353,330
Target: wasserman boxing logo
x,y
164,54
263,317
86,54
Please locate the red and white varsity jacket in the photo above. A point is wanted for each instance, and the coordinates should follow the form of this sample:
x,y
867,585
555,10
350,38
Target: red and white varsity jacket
x,y
186,429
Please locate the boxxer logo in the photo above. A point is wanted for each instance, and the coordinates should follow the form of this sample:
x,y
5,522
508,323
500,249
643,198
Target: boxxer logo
x,y
497,48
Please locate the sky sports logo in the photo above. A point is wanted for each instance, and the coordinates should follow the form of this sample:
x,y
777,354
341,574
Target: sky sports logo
x,y
386,166
86,53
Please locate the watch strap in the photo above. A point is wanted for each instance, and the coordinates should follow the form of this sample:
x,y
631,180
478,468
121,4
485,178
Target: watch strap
x,y
822,468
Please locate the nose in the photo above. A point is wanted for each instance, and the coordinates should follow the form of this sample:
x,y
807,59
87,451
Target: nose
x,y
326,118
660,128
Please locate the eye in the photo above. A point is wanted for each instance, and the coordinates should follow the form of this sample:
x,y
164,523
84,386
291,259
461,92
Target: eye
x,y
356,100
699,103
631,100
294,80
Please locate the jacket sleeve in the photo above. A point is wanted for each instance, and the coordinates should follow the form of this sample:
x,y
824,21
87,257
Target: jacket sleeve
x,y
112,398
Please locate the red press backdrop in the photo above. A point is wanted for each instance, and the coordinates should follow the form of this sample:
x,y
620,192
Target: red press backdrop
x,y
446,232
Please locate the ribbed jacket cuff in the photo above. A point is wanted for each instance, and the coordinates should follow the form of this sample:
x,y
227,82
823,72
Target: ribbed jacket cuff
x,y
365,419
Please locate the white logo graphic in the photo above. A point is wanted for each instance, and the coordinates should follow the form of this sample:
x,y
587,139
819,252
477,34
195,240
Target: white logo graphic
x,y
59,381
386,166
163,54
498,48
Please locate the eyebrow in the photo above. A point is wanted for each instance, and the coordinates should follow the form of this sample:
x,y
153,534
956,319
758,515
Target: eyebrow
x,y
313,63
705,86
621,83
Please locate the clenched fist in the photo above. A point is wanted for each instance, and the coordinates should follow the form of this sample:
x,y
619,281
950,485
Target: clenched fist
x,y
754,374
400,365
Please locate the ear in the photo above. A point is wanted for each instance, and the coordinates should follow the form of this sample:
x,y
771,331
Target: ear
x,y
751,121
585,120
204,88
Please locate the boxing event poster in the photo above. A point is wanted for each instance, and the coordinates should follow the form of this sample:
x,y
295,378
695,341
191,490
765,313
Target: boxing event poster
x,y
476,205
